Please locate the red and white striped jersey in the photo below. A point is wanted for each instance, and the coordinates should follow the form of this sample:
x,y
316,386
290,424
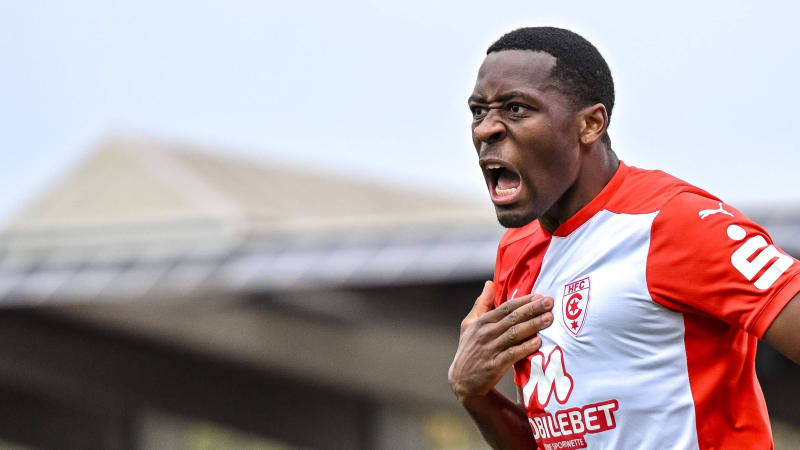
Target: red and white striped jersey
x,y
660,293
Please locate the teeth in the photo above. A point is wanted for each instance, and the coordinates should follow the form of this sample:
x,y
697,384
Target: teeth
x,y
504,192
493,166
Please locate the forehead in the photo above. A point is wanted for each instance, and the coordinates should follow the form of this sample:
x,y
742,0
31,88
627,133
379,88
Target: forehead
x,y
514,70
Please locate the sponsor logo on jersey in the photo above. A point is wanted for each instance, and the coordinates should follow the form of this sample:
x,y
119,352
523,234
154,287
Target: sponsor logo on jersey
x,y
707,212
575,303
547,376
745,260
564,428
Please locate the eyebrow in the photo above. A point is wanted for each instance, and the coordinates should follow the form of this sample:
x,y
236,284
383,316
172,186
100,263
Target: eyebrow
x,y
501,98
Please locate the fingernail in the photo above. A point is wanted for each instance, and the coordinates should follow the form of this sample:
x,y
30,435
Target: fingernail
x,y
547,302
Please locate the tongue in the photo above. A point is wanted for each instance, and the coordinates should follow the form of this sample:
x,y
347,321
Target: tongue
x,y
507,179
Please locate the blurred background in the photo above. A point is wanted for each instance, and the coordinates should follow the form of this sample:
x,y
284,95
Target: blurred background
x,y
254,224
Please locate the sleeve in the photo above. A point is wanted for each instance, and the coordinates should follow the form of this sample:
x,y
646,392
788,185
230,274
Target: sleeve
x,y
708,258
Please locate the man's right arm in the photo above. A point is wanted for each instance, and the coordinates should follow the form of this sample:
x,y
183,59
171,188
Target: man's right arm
x,y
490,342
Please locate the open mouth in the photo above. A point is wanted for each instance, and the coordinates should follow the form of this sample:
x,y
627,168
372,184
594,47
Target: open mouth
x,y
504,183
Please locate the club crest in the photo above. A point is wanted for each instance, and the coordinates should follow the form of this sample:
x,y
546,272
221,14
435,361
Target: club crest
x,y
575,304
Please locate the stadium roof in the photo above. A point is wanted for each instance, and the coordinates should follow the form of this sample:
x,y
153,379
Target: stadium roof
x,y
146,218
140,218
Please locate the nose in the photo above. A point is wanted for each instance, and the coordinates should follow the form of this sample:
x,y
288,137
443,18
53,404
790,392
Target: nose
x,y
489,130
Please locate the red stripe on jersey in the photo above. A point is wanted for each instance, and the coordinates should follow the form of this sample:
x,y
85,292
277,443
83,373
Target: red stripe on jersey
x,y
730,410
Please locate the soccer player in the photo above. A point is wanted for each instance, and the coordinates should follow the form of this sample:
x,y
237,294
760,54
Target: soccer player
x,y
628,302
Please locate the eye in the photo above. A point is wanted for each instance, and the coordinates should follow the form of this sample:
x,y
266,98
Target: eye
x,y
478,111
517,108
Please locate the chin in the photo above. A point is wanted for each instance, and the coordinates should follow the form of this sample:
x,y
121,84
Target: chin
x,y
514,219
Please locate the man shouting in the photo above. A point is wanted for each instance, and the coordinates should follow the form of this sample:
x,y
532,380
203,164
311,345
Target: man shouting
x,y
628,302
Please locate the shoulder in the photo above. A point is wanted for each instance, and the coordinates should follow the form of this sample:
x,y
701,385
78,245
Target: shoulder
x,y
645,191
709,258
513,235
694,229
511,247
517,248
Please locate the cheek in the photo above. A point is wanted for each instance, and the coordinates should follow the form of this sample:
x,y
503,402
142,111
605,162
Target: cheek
x,y
551,166
562,147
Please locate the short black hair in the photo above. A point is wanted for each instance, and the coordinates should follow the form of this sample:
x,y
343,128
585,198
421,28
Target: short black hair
x,y
580,72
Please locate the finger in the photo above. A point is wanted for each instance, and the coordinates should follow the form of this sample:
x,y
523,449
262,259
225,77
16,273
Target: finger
x,y
484,302
523,331
537,305
508,307
530,296
520,351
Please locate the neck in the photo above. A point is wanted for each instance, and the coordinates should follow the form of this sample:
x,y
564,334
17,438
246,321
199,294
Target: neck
x,y
593,175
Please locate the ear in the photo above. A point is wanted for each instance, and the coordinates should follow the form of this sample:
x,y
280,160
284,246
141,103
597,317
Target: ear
x,y
593,123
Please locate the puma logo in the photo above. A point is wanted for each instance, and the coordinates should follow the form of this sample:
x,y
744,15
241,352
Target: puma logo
x,y
707,212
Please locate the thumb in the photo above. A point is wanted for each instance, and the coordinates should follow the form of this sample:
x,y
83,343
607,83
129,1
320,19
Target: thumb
x,y
484,302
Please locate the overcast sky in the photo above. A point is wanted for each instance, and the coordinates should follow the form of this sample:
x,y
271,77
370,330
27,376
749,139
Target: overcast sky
x,y
378,90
